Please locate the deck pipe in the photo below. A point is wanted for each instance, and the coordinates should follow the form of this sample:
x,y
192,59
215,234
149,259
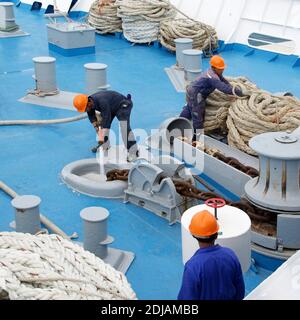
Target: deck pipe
x,y
192,64
42,122
96,239
7,16
45,74
181,45
27,214
95,77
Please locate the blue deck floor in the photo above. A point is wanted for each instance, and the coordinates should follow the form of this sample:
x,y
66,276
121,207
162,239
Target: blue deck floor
x,y
33,157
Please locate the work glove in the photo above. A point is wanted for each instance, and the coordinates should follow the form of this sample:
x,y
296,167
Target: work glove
x,y
246,92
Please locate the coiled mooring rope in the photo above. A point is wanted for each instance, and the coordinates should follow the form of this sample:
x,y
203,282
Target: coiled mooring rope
x,y
141,18
246,117
48,267
204,36
103,17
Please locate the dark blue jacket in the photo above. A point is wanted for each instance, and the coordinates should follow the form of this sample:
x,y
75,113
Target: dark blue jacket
x,y
108,103
213,273
208,81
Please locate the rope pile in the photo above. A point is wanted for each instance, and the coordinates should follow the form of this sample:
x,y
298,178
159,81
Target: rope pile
x,y
103,17
261,113
48,267
204,36
218,104
244,118
141,18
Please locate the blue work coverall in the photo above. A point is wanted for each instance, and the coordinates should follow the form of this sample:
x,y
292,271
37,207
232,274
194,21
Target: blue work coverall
x,y
197,93
213,273
113,104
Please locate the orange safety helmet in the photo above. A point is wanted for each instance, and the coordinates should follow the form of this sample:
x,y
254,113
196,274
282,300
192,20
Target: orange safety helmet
x,y
203,225
80,102
217,62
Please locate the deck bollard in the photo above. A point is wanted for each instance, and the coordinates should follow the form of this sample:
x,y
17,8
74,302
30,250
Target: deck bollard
x,y
95,77
96,239
45,74
192,64
27,213
181,45
7,16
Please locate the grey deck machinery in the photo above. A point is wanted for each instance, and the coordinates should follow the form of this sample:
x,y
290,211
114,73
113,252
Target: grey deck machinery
x,y
277,189
151,186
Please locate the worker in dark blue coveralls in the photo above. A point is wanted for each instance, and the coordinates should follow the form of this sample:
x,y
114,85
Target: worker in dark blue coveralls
x,y
213,272
110,104
198,91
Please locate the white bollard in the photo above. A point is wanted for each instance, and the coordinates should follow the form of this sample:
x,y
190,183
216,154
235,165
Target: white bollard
x,y
96,79
7,16
45,74
27,213
181,45
192,64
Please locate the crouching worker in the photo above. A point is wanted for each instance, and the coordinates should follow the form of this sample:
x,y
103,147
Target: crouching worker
x,y
110,104
213,272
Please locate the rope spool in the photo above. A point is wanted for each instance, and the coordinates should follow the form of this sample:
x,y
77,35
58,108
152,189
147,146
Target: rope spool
x,y
103,17
141,19
48,267
204,36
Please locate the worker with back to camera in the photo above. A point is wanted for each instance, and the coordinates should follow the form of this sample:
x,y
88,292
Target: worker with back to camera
x,y
213,272
110,104
198,91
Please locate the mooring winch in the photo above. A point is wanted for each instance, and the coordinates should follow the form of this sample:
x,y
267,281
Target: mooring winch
x,y
277,188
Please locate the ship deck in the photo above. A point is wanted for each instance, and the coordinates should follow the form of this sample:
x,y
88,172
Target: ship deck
x,y
32,157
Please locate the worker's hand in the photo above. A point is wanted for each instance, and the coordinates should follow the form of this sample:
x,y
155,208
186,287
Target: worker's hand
x,y
246,92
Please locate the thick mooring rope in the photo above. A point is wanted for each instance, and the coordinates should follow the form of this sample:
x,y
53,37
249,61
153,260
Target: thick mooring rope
x,y
103,17
204,36
141,18
48,267
244,118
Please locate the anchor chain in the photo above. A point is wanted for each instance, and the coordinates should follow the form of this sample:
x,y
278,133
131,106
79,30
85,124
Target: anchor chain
x,y
117,174
252,172
262,221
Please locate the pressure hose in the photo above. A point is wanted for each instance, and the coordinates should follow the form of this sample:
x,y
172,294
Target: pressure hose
x,y
41,122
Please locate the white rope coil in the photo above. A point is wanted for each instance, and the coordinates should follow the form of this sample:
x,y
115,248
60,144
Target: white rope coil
x,y
204,36
48,267
103,17
244,118
141,18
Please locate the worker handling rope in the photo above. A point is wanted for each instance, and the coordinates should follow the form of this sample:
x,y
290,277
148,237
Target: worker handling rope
x,y
204,36
103,17
141,18
197,92
237,107
110,104
48,267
